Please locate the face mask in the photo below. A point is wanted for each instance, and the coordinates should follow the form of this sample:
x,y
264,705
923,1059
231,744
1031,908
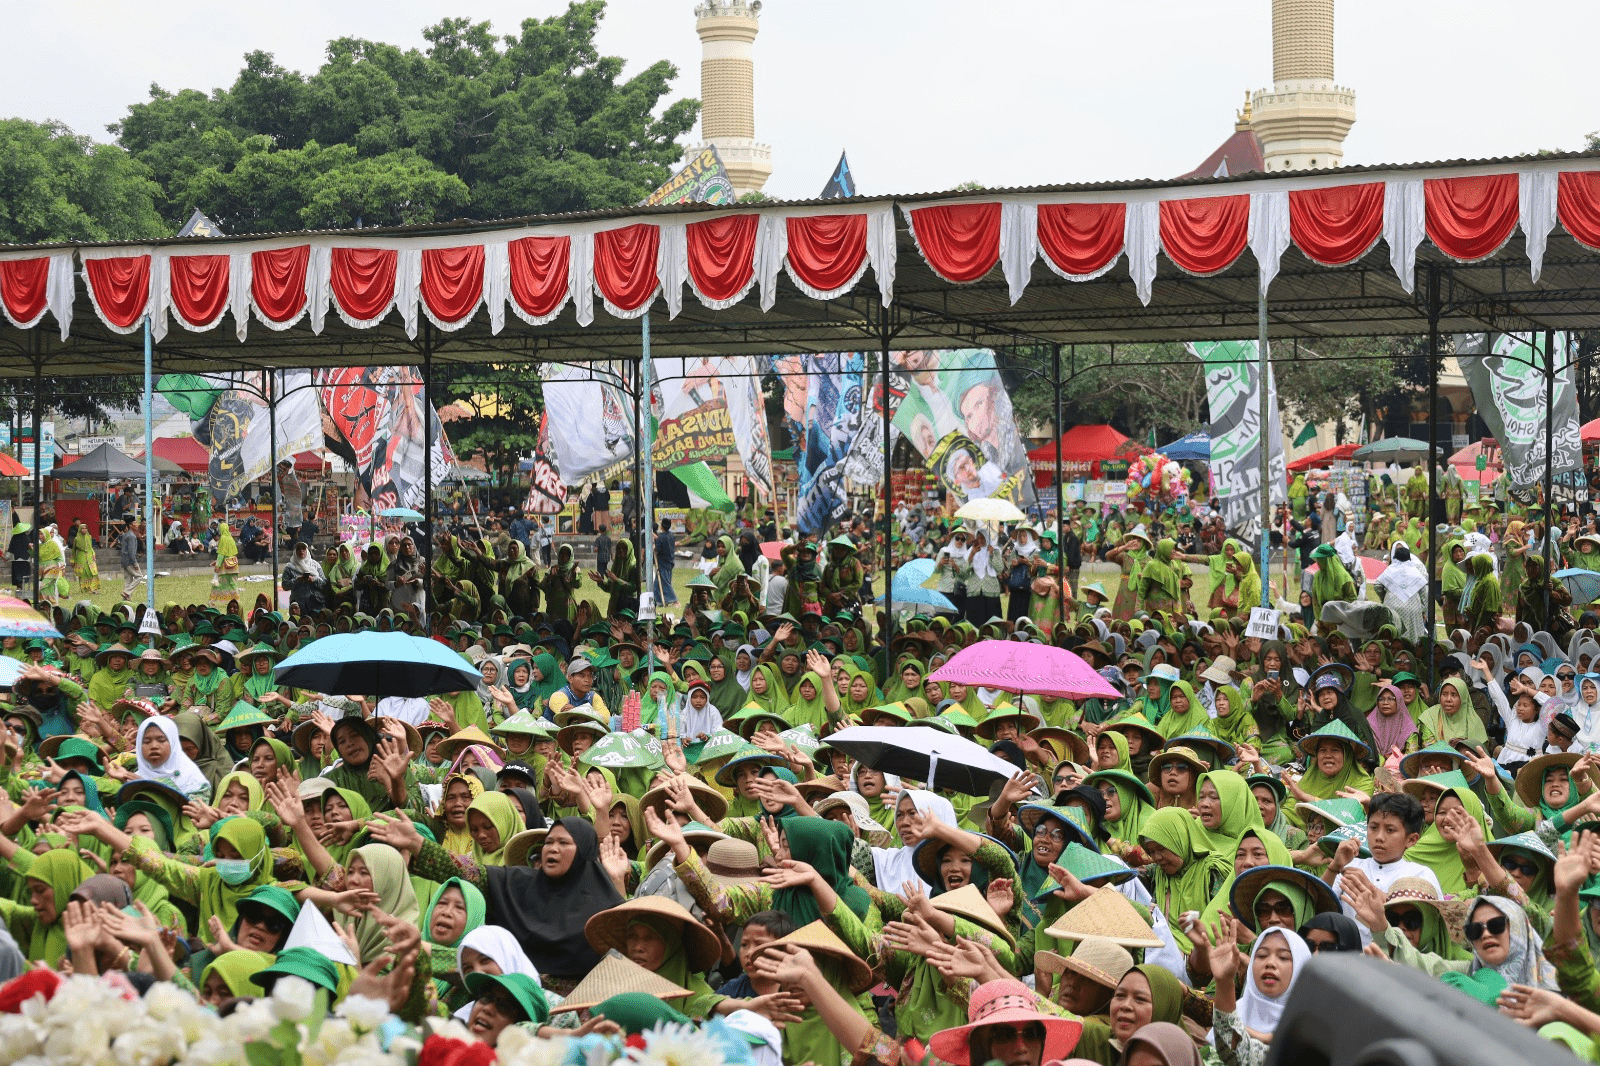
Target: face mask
x,y
234,871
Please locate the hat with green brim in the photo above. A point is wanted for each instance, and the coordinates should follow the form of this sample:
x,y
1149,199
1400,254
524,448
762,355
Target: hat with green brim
x,y
1089,867
1335,812
637,1012
700,582
1202,739
273,898
567,734
243,716
159,792
1006,712
895,711
1124,778
109,650
745,756
1138,722
579,714
1074,820
957,716
722,744
803,738
301,962
1250,884
1529,842
925,856
944,725
255,651
1334,730
1097,588
1428,789
523,988
1410,762
523,723
1329,842
1279,789
749,720
66,746
619,751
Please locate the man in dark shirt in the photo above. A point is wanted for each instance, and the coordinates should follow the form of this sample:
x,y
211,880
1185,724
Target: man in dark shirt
x,y
665,546
602,550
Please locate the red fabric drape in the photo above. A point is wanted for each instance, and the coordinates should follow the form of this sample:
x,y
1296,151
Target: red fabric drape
x,y
121,287
722,255
625,264
278,281
1338,225
826,251
1470,218
961,242
539,273
1081,238
1578,206
1206,234
452,281
199,287
363,280
25,287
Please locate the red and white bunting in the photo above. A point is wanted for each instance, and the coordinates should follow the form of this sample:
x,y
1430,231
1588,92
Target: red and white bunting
x,y
824,250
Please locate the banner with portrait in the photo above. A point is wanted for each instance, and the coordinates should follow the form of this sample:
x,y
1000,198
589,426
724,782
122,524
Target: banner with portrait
x,y
708,408
378,416
229,417
822,406
1233,373
959,394
589,419
1507,374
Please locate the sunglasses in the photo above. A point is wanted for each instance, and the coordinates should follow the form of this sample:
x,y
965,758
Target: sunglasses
x,y
1322,945
1411,920
1282,909
1494,927
1526,867
1173,767
1567,677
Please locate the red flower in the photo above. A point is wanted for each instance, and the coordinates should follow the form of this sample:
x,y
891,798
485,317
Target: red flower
x,y
443,1051
16,992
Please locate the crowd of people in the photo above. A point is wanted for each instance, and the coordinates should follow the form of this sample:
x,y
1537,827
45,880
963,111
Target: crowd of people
x,y
625,823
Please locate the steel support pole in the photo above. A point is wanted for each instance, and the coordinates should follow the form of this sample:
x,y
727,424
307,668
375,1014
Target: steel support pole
x,y
429,522
888,485
1549,423
272,466
1434,569
647,502
1060,491
38,435
1263,368
149,473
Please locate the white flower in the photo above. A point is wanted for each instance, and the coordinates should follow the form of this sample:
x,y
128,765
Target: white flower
x,y
449,1027
293,999
213,1051
519,1047
145,1046
250,1021
677,1045
364,1012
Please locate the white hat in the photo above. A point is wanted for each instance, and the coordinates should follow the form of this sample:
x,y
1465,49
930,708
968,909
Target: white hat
x,y
860,810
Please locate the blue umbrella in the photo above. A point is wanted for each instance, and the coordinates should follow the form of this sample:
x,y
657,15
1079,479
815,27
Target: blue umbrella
x,y
1194,446
401,512
1583,584
907,587
381,664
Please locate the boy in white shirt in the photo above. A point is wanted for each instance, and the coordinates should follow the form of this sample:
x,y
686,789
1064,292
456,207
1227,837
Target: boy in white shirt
x,y
1394,824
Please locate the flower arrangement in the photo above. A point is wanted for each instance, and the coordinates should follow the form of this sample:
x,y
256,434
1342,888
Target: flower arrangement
x,y
87,1021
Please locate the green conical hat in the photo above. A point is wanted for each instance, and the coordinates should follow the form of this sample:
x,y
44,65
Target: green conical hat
x,y
1530,842
891,710
524,723
1339,811
958,717
747,754
1088,866
617,751
942,724
1123,777
801,737
258,649
751,717
243,715
719,745
1338,731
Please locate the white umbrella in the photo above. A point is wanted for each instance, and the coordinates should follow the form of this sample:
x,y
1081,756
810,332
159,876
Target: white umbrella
x,y
940,759
990,509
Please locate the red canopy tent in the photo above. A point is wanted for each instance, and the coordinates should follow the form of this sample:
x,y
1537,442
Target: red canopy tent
x,y
193,457
1590,431
1082,448
1326,457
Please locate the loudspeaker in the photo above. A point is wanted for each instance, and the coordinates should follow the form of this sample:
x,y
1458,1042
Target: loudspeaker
x,y
1351,1010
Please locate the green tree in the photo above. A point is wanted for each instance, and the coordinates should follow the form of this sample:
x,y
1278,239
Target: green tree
x,y
503,408
56,185
534,122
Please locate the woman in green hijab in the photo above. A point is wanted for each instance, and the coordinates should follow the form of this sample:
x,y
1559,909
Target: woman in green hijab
x,y
381,869
1128,806
907,681
1332,581
1226,808
727,695
209,753
807,706
457,908
1453,717
659,700
1185,712
1441,855
1163,583
231,975
1255,847
1234,723
1481,603
1188,871
492,820
1333,762
36,927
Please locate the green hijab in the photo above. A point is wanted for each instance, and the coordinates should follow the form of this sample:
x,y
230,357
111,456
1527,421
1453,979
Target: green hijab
x,y
1440,855
1129,825
498,808
442,953
396,897
895,688
1463,725
252,788
237,969
1277,855
1353,775
1236,726
63,871
1176,724
215,896
727,695
360,811
1162,573
802,711
826,845
1192,887
1239,810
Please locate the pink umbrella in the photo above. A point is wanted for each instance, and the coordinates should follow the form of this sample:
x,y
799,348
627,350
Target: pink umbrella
x,y
1036,669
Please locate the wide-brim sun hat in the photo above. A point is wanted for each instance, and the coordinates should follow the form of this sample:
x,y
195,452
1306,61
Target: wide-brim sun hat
x,y
608,929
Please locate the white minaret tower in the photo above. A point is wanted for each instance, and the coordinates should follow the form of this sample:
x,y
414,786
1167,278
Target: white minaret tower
x,y
727,30
1303,119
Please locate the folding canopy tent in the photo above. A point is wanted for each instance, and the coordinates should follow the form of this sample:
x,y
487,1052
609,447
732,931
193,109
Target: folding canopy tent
x,y
1326,457
1082,444
1185,449
1508,244
105,463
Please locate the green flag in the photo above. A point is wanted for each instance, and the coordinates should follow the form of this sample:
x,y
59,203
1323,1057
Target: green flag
x,y
188,393
1306,434
704,483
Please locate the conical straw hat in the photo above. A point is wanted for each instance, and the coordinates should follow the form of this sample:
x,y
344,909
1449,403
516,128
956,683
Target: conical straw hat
x,y
968,902
614,975
609,928
451,746
818,937
1108,915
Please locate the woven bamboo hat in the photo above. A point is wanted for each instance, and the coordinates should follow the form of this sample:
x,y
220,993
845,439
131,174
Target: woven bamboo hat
x,y
1530,779
818,937
609,929
528,842
451,746
968,902
1101,961
1106,915
714,803
614,975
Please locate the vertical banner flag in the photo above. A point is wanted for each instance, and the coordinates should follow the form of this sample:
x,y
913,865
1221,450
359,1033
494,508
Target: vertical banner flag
x,y
708,408
1232,372
589,418
822,406
843,182
703,180
1507,375
377,414
957,413
228,415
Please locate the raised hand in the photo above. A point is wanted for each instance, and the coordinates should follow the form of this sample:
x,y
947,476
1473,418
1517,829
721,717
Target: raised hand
x,y
1223,950
286,801
1573,866
668,832
82,926
778,790
337,833
1072,890
999,896
397,831
614,860
1533,1007
791,873
203,815
354,901
779,1008
38,803
773,835
1365,898
220,940
788,965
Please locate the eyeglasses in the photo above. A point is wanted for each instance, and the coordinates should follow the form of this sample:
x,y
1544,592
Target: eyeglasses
x,y
1322,945
1172,767
1494,927
1526,867
1050,832
1411,920
1281,909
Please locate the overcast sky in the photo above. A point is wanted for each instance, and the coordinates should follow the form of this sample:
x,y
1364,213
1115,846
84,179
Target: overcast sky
x,y
925,94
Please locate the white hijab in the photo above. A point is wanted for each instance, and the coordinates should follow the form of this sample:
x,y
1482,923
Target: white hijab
x,y
179,770
743,676
497,943
892,867
1257,1010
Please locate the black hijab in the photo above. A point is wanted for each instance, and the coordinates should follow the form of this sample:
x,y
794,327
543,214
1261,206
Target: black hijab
x,y
532,816
547,914
1340,925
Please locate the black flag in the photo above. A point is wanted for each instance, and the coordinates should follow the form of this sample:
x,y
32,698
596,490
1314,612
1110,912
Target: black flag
x,y
200,226
843,183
